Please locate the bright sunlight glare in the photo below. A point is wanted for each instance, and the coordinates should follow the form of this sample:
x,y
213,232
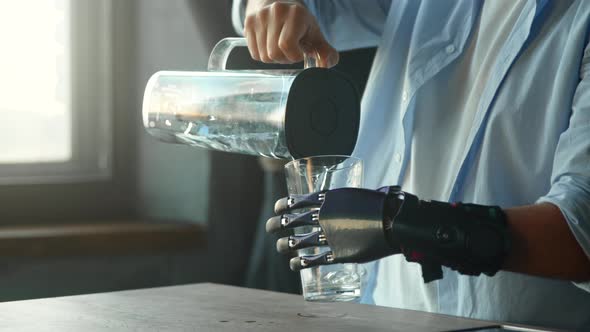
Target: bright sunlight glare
x,y
35,112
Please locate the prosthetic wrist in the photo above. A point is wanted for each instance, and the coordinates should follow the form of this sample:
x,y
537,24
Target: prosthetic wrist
x,y
469,238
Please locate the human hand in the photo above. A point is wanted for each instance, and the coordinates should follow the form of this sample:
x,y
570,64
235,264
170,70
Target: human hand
x,y
283,31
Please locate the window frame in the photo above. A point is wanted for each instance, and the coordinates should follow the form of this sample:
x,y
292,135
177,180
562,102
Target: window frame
x,y
93,197
91,102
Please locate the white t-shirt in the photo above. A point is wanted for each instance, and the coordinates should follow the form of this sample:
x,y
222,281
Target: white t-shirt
x,y
439,141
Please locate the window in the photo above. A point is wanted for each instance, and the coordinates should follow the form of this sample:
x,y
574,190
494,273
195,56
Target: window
x,y
55,98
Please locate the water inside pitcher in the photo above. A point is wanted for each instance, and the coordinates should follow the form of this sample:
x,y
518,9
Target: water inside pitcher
x,y
234,113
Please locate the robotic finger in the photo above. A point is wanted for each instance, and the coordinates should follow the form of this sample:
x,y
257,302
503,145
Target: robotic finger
x,y
290,221
303,262
295,242
294,202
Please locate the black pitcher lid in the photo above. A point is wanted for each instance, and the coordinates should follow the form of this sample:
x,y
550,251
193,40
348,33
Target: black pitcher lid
x,y
322,115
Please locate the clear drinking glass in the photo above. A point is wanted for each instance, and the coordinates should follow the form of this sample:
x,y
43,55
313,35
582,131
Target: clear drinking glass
x,y
338,282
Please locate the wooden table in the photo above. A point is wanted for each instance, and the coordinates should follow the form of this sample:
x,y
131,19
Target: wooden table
x,y
211,307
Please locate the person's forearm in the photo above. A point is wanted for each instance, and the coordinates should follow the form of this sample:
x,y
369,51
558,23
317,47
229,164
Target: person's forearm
x,y
543,244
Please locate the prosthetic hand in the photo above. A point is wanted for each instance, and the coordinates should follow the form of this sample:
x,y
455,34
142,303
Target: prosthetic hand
x,y
360,225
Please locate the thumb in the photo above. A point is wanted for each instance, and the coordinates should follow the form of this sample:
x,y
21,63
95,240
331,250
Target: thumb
x,y
317,46
328,56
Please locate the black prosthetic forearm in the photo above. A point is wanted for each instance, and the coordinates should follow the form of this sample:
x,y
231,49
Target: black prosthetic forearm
x,y
469,238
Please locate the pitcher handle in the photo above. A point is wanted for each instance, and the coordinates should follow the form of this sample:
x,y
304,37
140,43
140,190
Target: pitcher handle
x,y
221,51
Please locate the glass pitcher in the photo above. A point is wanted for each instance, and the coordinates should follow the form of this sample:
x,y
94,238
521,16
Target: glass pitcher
x,y
270,113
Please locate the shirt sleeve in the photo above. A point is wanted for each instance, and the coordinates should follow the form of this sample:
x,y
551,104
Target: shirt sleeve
x,y
351,24
570,180
347,24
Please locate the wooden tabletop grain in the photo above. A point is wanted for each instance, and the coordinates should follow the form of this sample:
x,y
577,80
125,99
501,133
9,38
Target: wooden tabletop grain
x,y
211,307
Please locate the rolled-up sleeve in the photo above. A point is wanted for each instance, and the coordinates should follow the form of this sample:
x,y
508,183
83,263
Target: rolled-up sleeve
x,y
347,24
570,180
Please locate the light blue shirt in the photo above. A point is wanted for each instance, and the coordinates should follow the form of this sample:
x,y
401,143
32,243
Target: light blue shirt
x,y
529,142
